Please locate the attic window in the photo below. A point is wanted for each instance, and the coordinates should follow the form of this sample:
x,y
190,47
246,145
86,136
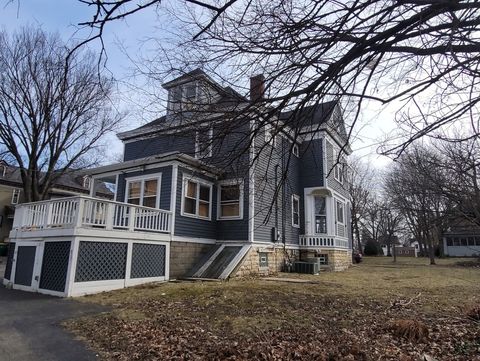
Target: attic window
x,y
191,91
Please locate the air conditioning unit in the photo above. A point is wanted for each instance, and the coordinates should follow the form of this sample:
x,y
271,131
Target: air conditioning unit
x,y
306,268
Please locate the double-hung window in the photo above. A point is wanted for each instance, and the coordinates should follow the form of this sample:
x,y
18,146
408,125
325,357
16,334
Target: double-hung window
x,y
144,192
230,195
320,214
203,143
340,212
16,196
338,170
295,211
197,199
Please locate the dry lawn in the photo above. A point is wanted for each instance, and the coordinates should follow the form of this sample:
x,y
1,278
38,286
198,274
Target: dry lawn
x,y
373,311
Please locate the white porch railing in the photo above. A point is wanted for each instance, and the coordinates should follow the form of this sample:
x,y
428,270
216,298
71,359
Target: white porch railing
x,y
82,211
323,241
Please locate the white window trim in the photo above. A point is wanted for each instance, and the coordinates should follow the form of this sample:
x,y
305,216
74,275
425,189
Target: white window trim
x,y
269,137
203,182
296,150
16,193
338,171
142,179
210,145
219,200
337,201
296,197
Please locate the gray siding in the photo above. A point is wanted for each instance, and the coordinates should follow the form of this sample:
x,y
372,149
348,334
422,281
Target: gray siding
x,y
270,161
165,187
194,227
332,182
183,142
312,166
231,157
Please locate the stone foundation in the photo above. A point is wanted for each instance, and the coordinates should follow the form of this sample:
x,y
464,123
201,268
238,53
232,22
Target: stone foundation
x,y
338,260
184,256
250,265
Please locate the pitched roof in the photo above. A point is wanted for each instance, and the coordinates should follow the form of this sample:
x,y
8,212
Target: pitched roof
x,y
311,115
71,180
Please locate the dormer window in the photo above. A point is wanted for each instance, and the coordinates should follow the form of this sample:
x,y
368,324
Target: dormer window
x,y
190,92
182,96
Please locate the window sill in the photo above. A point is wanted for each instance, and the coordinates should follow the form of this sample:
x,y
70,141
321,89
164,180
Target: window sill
x,y
295,225
195,216
236,218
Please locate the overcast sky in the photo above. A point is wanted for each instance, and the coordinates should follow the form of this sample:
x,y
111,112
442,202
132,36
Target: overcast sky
x,y
63,16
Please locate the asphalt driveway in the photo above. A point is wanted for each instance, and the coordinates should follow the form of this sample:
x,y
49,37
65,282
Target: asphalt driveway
x,y
30,327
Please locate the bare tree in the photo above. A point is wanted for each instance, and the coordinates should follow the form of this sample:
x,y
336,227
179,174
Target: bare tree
x,y
54,108
361,187
422,53
390,226
412,187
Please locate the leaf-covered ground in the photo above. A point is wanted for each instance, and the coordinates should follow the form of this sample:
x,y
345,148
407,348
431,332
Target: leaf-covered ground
x,y
344,316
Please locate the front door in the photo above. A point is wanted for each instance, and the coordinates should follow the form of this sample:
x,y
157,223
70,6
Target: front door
x,y
27,266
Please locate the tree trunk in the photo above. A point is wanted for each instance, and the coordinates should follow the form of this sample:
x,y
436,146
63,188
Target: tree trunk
x,y
431,251
389,251
394,253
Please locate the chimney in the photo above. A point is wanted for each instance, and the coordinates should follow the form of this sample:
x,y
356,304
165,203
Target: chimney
x,y
257,87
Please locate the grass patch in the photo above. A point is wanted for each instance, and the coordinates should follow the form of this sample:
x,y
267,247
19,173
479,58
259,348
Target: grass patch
x,y
345,316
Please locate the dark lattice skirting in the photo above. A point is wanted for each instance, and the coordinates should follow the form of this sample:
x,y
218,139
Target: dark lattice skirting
x,y
99,261
148,260
55,266
8,266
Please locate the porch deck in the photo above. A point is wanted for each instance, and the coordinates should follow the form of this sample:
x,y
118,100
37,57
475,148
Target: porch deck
x,y
90,213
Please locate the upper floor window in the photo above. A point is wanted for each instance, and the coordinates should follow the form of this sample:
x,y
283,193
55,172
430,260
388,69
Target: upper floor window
x,y
320,214
270,136
295,150
230,196
203,143
197,199
295,210
16,196
338,169
340,210
144,192
190,92
182,95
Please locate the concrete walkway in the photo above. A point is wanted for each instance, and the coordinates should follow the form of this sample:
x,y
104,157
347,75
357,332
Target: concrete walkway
x,y
30,327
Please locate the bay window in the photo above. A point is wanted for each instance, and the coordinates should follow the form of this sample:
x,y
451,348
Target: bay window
x,y
320,214
197,199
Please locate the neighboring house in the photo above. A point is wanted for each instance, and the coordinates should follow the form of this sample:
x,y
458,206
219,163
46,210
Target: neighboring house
x,y
462,239
11,192
205,201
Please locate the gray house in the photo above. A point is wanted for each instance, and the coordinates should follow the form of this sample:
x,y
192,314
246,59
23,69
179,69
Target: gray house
x,y
200,194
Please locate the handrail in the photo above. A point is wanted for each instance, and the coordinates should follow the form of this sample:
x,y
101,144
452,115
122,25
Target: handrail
x,y
83,211
324,241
